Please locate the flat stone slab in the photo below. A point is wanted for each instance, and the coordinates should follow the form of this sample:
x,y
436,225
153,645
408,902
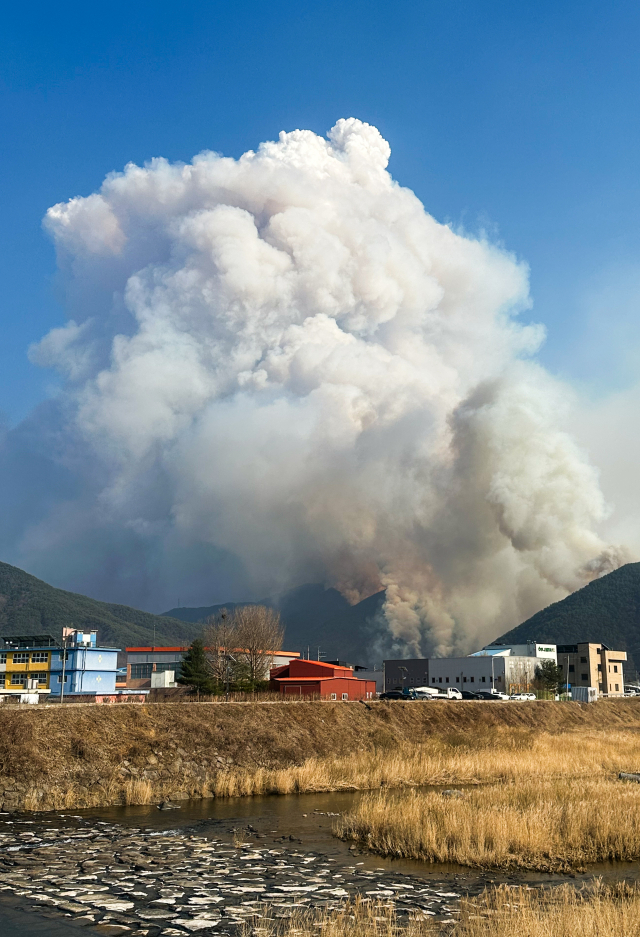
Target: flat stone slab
x,y
138,881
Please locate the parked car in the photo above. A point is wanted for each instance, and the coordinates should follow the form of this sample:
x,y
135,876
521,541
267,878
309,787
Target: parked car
x,y
393,694
467,694
488,695
523,696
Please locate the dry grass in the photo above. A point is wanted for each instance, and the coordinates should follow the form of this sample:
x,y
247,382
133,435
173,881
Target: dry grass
x,y
527,823
484,757
455,758
93,756
596,911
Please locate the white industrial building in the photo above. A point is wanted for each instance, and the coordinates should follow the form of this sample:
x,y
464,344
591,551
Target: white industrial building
x,y
509,668
530,649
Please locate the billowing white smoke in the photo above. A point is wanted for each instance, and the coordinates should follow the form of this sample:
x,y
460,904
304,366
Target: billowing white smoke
x,y
284,355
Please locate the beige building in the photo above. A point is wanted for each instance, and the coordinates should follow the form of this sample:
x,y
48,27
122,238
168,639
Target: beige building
x,y
592,665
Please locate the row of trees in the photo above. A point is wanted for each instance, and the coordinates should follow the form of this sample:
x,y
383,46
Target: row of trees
x,y
235,652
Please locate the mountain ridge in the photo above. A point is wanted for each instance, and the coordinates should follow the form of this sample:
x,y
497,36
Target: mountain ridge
x,y
607,609
29,605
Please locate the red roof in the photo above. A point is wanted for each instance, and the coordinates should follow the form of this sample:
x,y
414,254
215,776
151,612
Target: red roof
x,y
162,650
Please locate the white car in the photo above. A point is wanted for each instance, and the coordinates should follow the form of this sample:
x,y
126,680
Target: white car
x,y
523,696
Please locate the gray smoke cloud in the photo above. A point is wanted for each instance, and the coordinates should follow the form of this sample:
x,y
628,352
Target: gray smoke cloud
x,y
282,367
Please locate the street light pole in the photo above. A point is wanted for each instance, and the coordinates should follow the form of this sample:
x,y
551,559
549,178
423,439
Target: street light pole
x,y
404,672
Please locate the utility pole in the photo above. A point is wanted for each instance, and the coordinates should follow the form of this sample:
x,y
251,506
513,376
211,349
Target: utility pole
x,y
64,661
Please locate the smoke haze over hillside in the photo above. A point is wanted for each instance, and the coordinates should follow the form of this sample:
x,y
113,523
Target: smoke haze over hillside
x,y
280,369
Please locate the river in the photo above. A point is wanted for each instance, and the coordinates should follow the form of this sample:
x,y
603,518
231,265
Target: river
x,y
207,867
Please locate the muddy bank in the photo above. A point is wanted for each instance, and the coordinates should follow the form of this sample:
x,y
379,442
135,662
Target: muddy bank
x,y
84,756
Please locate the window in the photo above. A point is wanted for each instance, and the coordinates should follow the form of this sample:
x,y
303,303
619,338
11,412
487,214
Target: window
x,y
66,655
498,679
40,657
583,660
168,665
617,687
484,680
440,680
20,657
3,658
560,666
572,669
345,696
2,680
433,679
615,668
446,679
465,680
333,696
18,679
41,677
473,679
584,676
141,671
600,667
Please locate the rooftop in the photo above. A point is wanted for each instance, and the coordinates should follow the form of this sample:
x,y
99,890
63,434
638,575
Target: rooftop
x,y
30,641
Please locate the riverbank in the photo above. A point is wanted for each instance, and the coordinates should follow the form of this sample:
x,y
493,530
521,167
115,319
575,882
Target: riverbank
x,y
94,756
592,911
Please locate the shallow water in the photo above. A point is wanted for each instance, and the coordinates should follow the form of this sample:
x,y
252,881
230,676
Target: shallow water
x,y
288,835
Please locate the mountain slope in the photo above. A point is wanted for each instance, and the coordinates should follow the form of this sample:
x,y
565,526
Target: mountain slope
x,y
30,606
607,610
315,617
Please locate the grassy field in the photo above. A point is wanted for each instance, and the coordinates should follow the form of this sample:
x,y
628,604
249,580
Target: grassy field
x,y
558,804
596,911
92,756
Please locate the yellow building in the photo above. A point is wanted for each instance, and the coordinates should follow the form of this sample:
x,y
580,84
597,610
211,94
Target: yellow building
x,y
25,664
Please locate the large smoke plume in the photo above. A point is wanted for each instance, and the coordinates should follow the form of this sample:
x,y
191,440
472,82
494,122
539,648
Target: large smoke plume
x,y
284,356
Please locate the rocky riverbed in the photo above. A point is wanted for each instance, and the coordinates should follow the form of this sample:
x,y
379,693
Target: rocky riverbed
x,y
127,880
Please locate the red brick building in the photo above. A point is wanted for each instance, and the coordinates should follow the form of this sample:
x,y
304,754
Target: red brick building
x,y
315,678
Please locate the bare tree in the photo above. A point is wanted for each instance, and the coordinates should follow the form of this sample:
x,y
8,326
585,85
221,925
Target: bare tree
x,y
258,635
220,639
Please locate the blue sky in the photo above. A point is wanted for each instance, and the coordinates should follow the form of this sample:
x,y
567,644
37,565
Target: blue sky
x,y
520,118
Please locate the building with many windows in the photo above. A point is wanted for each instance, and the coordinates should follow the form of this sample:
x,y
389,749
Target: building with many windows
x,y
592,664
508,673
25,664
511,668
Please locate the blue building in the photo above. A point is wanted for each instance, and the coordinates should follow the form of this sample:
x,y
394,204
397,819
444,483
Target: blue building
x,y
87,668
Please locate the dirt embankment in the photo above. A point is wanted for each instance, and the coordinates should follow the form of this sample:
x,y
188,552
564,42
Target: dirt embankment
x,y
83,756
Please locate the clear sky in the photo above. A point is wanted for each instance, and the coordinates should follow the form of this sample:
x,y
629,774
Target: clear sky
x,y
518,117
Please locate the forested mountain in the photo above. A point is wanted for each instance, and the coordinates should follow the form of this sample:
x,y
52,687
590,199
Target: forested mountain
x,y
607,610
318,618
30,606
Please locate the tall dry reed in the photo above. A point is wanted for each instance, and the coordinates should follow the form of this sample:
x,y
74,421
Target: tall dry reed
x,y
595,911
455,758
531,823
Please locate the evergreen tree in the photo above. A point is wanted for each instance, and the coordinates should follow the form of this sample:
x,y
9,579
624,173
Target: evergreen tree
x,y
195,671
548,674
